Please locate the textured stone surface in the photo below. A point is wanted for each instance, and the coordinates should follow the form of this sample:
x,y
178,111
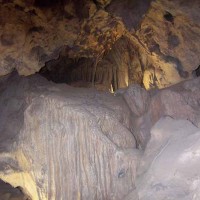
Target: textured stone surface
x,y
32,35
163,38
180,101
170,31
119,68
169,168
58,142
103,2
131,12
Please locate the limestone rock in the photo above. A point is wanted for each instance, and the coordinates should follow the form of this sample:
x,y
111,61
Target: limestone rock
x,y
33,34
170,31
169,168
131,12
163,38
58,142
97,35
119,68
138,99
180,101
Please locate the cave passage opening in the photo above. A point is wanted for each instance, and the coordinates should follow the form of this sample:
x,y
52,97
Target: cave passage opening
x,y
117,68
79,72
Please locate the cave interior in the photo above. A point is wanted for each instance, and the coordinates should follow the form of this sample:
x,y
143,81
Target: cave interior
x,y
99,99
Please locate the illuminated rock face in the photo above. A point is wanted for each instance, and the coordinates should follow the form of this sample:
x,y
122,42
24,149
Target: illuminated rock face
x,y
32,34
170,31
58,142
167,38
162,36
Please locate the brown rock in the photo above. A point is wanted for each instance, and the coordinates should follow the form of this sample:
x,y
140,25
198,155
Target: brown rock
x,y
170,31
103,2
32,35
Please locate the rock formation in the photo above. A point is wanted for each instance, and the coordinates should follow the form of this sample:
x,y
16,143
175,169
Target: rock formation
x,y
58,142
180,101
162,38
170,165
35,40
170,31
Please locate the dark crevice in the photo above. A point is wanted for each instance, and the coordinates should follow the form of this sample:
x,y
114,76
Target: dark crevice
x,y
130,11
169,17
96,2
66,70
196,72
47,3
173,41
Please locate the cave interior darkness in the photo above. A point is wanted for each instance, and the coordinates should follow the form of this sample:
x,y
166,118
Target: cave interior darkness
x,y
78,73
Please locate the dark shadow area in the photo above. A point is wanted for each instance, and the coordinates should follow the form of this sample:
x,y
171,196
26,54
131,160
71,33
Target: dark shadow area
x,y
169,17
196,72
78,5
47,3
67,70
116,69
130,11
7,192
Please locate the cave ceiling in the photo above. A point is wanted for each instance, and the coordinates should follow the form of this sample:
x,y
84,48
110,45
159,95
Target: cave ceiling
x,y
162,37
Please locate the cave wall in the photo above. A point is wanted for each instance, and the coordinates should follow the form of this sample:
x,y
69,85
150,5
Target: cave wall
x,y
170,31
60,142
163,38
32,35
